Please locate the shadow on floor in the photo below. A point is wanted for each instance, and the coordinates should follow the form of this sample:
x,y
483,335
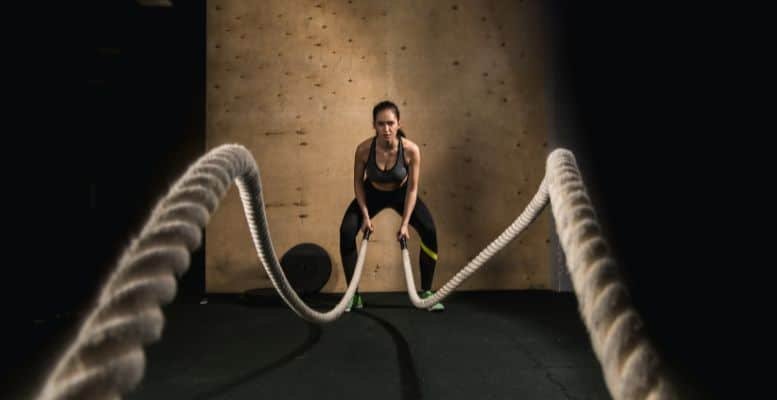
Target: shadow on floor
x,y
408,378
314,335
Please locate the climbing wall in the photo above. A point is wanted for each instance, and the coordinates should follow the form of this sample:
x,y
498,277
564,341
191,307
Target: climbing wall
x,y
295,82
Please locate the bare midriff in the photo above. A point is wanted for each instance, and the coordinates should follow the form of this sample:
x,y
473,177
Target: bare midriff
x,y
388,186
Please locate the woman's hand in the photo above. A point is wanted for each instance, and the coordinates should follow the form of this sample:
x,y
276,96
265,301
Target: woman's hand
x,y
403,233
367,226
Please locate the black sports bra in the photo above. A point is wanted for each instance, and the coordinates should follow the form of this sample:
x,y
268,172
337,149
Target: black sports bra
x,y
396,174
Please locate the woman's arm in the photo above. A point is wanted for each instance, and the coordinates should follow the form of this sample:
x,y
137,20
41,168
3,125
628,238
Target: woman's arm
x,y
358,182
414,164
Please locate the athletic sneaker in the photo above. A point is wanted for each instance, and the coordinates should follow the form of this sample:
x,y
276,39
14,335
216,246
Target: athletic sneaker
x,y
436,307
356,302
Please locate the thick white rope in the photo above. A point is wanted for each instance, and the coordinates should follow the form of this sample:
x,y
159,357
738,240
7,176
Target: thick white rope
x,y
529,214
106,359
632,368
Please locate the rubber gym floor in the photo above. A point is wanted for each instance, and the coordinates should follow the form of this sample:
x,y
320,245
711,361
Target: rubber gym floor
x,y
485,345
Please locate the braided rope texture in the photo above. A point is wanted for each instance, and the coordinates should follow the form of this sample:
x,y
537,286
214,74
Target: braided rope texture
x,y
631,365
106,359
529,214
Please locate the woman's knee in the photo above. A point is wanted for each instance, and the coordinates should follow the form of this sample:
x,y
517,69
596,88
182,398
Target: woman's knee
x,y
424,224
348,230
429,238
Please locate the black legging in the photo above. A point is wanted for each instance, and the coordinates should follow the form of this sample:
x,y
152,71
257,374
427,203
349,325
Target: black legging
x,y
377,200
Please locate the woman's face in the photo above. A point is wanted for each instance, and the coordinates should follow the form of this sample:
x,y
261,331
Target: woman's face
x,y
386,124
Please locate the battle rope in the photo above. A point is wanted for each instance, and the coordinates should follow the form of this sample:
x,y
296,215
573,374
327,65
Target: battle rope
x,y
106,358
631,366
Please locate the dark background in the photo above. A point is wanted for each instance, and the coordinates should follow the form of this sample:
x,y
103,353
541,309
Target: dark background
x,y
113,108
660,102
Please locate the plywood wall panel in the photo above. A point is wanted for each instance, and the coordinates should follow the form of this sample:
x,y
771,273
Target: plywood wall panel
x,y
295,82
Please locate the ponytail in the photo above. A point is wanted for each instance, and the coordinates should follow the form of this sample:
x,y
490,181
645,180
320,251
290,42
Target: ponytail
x,y
400,133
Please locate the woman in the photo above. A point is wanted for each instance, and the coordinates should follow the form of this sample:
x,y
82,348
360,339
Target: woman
x,y
391,163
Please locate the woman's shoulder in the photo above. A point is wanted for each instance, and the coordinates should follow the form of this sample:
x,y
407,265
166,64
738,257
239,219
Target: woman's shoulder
x,y
363,148
410,146
364,144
